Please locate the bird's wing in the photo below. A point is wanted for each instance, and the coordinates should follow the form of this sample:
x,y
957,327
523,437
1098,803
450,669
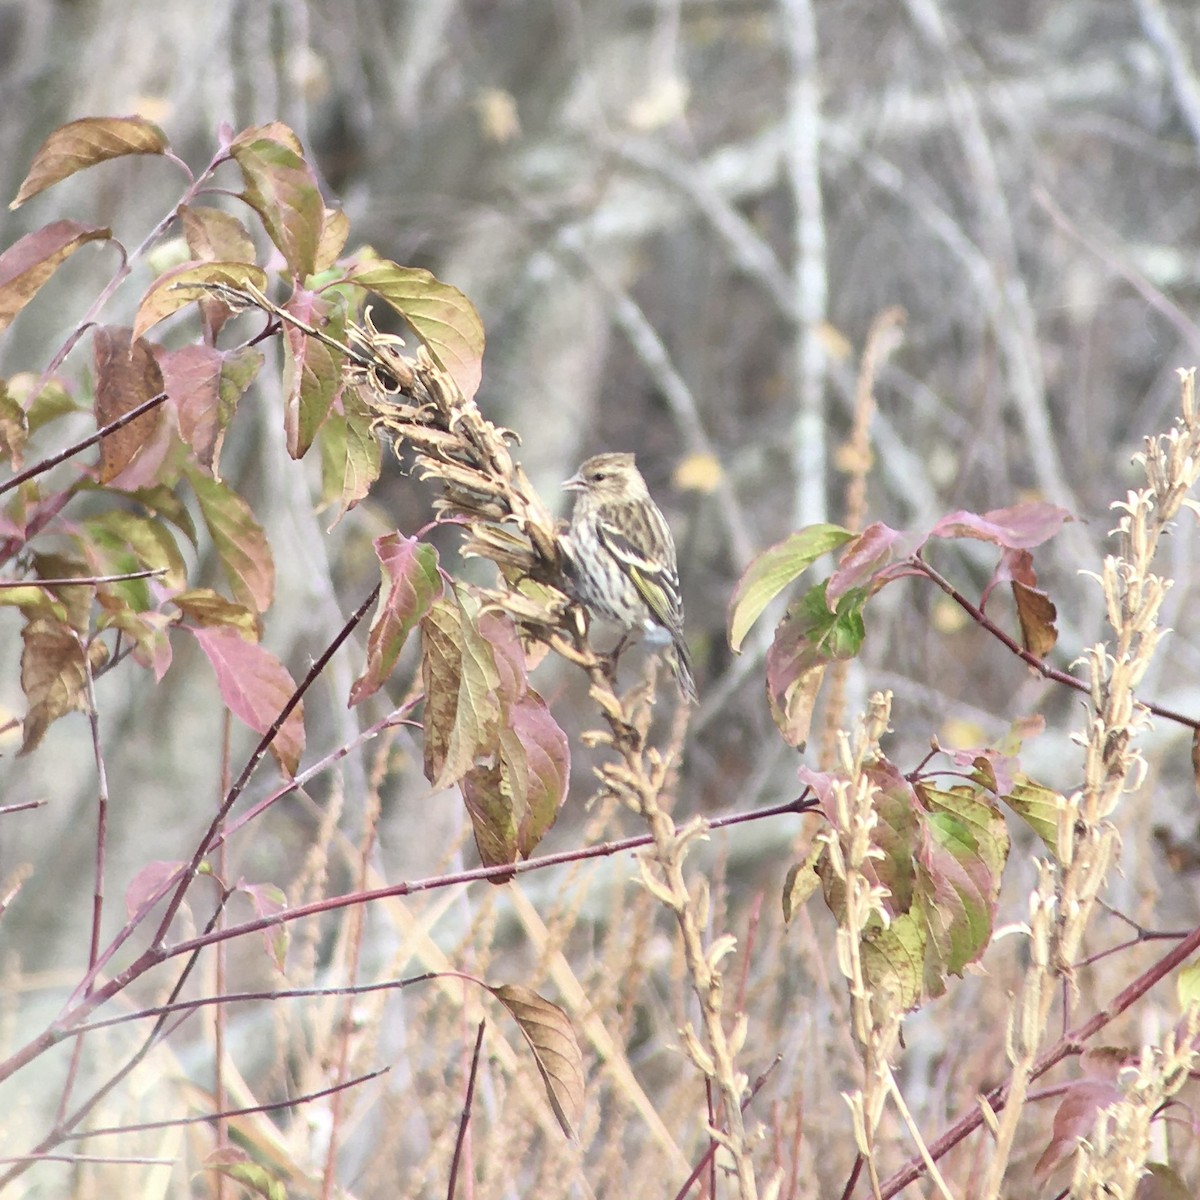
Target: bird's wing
x,y
651,568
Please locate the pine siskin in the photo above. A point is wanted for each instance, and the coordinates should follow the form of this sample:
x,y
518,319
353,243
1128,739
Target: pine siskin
x,y
621,558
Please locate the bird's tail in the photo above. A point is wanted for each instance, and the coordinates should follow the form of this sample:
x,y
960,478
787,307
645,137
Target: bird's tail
x,y
680,660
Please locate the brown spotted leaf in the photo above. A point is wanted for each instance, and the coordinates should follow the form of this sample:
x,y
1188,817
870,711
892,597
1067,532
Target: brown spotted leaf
x,y
255,686
29,262
203,606
215,236
550,1036
440,315
83,143
53,676
127,375
14,429
335,229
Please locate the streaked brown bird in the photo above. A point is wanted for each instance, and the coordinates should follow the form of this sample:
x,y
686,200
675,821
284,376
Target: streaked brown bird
x,y
621,558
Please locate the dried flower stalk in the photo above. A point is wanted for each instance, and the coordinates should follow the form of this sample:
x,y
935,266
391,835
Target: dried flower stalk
x,y
1087,842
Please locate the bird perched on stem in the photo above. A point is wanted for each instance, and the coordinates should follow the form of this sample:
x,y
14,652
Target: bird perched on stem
x,y
620,558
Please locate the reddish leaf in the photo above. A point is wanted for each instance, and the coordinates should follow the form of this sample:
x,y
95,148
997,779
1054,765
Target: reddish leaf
x,y
126,375
239,540
440,315
192,281
1074,1119
28,263
205,385
269,900
255,686
411,583
53,676
514,798
281,188
537,756
150,885
80,144
1020,527
864,562
312,372
942,856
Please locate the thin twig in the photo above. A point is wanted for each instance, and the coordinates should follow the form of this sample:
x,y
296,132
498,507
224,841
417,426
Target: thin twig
x,y
40,468
465,1118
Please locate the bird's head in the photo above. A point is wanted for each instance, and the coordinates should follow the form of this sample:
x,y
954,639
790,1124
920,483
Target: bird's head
x,y
608,476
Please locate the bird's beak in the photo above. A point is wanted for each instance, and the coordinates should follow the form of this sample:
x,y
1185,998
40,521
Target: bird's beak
x,y
574,484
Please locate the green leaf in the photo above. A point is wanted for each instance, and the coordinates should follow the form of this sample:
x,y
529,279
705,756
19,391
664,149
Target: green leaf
x,y
893,959
1038,807
351,456
14,429
807,640
800,883
83,143
124,542
1187,986
460,675
775,569
238,539
237,1165
440,315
